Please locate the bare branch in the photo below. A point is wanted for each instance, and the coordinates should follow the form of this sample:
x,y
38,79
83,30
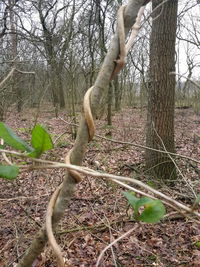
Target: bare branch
x,y
189,79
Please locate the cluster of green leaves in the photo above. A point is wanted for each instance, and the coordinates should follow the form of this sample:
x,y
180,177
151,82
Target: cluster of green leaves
x,y
40,142
145,209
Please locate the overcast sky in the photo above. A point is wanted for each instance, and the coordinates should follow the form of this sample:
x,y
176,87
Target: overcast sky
x,y
189,20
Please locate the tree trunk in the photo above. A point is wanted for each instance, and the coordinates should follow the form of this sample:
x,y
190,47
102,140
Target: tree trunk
x,y
109,110
60,89
161,91
54,90
117,94
16,88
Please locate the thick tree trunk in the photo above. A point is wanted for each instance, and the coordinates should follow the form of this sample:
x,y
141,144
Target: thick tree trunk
x,y
56,85
161,90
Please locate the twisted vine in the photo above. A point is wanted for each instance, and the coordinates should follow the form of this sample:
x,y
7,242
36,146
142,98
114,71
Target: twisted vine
x,y
120,62
121,34
77,177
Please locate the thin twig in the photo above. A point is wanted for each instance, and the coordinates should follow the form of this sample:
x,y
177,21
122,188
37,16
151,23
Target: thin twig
x,y
114,242
182,76
111,238
157,7
11,73
187,182
22,197
25,72
7,77
87,171
4,154
139,146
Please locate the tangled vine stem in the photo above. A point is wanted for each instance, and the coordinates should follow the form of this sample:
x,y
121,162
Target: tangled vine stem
x,y
91,130
121,34
49,227
85,134
123,50
77,177
88,114
135,29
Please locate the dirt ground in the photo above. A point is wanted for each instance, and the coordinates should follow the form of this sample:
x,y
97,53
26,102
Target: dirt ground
x,y
98,212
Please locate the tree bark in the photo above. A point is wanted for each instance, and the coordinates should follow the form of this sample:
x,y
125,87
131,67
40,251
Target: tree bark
x,y
16,88
109,103
161,90
118,93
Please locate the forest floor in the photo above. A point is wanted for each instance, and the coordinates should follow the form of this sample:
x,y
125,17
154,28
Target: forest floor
x,y
98,212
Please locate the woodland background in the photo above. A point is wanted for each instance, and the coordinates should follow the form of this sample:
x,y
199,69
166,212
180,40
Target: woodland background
x,y
51,53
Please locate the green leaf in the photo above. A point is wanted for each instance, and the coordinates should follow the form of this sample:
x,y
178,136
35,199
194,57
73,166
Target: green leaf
x,y
11,139
9,172
35,154
2,146
197,244
41,141
132,200
153,212
142,202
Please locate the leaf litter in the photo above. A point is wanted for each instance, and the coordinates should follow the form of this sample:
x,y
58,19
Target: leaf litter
x,y
98,213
